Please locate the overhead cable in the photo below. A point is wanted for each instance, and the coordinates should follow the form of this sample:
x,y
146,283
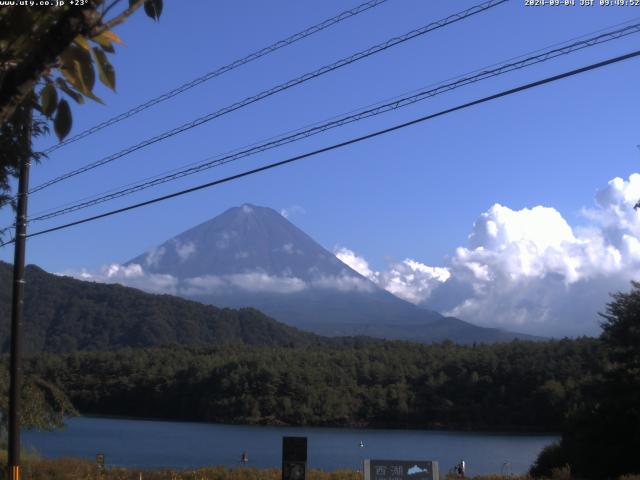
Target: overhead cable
x,y
278,88
220,71
336,146
353,111
346,119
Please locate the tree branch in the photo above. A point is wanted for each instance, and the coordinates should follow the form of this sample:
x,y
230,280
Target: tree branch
x,y
97,30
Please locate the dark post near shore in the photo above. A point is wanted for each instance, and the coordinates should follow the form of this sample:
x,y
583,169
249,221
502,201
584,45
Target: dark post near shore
x,y
294,458
17,308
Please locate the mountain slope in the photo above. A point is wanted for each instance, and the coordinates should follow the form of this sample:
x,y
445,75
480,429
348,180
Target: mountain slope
x,y
243,239
253,256
63,314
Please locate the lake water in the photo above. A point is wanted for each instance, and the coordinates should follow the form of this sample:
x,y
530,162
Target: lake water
x,y
148,444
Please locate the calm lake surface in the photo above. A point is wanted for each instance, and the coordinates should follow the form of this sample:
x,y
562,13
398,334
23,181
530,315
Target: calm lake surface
x,y
148,444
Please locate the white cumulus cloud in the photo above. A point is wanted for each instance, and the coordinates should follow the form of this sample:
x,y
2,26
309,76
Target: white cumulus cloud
x,y
529,269
409,279
132,275
359,264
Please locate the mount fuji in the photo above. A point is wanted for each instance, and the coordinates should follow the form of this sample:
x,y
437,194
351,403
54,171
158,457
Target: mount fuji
x,y
252,256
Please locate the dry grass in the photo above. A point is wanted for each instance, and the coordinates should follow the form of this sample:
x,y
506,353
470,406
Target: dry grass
x,y
78,469
490,477
35,468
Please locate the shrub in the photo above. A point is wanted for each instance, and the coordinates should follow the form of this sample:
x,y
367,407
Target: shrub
x,y
551,459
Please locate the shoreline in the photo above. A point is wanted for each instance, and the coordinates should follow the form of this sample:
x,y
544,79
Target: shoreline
x,y
436,429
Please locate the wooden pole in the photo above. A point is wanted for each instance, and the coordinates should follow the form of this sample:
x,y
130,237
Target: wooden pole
x,y
17,310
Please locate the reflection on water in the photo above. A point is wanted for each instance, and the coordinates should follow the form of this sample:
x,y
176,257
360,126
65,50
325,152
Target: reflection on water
x,y
146,444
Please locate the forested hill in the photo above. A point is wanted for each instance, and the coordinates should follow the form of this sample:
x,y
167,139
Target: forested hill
x,y
63,314
517,385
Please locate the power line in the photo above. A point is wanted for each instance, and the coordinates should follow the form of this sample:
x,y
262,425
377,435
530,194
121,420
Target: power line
x,y
396,97
279,88
220,71
336,146
344,120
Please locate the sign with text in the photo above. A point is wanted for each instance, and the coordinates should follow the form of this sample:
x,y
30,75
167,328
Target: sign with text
x,y
400,470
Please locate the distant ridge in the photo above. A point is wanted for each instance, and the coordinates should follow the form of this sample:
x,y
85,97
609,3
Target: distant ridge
x,y
63,314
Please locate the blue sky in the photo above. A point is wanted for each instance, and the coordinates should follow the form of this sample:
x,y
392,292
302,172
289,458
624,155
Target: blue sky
x,y
413,194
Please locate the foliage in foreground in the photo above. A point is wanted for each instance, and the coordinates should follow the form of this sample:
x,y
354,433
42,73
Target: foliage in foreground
x,y
47,57
43,405
601,438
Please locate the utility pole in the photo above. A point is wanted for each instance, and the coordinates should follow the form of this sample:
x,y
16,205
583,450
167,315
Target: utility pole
x,y
17,307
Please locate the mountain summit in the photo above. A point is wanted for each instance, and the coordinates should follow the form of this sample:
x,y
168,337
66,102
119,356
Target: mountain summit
x,y
251,256
243,240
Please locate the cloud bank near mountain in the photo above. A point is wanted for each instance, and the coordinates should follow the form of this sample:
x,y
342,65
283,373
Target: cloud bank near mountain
x,y
529,269
410,280
132,275
135,275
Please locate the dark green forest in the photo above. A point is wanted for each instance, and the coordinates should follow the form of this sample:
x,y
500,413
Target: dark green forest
x,y
515,386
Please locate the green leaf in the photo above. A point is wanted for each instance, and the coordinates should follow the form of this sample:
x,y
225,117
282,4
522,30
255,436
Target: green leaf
x,y
153,9
76,79
106,72
81,42
107,37
104,42
77,68
66,89
48,99
108,48
62,122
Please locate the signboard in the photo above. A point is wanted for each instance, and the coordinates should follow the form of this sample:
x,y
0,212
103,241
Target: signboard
x,y
400,470
294,458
